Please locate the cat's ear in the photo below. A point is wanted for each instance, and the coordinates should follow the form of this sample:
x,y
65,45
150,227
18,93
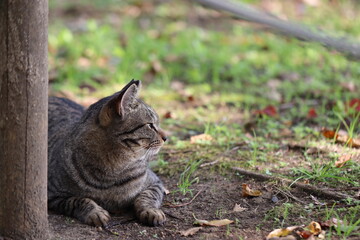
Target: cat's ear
x,y
120,103
128,98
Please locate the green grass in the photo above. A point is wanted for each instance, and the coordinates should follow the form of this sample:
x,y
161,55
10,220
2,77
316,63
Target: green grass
x,y
241,60
231,71
187,178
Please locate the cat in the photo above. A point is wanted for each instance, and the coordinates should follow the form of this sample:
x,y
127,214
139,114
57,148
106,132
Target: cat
x,y
98,158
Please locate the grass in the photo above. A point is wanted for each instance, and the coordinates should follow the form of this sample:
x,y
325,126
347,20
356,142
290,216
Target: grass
x,y
187,178
212,78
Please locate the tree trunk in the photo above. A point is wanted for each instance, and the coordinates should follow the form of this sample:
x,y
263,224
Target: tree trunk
x,y
23,119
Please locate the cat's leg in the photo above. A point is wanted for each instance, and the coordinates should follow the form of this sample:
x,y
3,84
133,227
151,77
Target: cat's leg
x,y
147,205
84,209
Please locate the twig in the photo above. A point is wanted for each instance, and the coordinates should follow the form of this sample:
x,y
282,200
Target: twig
x,y
248,13
306,188
184,204
172,215
287,194
209,163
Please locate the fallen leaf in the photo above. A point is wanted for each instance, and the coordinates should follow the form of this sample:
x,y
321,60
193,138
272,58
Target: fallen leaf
x,y
355,103
238,208
350,86
201,138
167,115
190,231
312,113
314,228
270,111
83,62
341,138
306,181
342,160
282,232
328,133
321,235
333,222
156,66
304,234
191,98
248,192
213,223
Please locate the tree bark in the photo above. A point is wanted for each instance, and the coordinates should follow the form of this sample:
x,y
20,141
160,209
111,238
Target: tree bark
x,y
23,119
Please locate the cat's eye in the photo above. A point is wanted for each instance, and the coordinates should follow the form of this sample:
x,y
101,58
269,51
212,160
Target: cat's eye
x,y
151,125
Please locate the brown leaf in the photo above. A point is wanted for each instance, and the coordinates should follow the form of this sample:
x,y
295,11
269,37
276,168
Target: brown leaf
x,y
350,86
312,113
83,63
333,222
238,208
304,234
248,192
201,138
342,160
213,223
341,138
314,228
168,115
190,231
328,133
281,232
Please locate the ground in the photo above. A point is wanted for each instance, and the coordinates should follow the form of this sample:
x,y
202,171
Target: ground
x,y
240,106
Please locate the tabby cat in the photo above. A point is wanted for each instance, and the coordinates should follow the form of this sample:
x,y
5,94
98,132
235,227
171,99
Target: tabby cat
x,y
98,158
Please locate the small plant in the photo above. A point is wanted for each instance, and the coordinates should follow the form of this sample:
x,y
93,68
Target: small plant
x,y
186,179
347,225
350,128
328,172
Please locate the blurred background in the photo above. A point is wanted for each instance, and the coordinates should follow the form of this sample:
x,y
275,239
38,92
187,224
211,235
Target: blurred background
x,y
187,54
229,94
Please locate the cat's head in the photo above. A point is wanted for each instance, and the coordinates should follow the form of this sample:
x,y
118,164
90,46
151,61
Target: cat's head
x,y
131,124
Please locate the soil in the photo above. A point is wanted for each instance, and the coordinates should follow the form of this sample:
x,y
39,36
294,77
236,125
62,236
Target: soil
x,y
213,198
216,198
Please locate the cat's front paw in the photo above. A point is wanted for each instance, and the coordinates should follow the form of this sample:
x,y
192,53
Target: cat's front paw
x,y
152,217
97,217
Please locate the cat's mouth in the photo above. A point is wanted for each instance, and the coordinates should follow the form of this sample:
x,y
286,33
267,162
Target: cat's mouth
x,y
156,145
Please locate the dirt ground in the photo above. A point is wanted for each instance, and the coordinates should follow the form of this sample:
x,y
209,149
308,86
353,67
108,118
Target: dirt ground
x,y
214,197
216,200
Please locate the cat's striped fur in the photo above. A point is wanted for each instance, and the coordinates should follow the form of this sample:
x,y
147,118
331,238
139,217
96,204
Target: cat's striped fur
x,y
98,158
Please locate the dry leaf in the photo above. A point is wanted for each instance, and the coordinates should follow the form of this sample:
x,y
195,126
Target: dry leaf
x,y
321,235
333,222
84,62
328,133
281,232
304,234
350,86
213,223
355,103
312,113
238,208
341,138
268,110
248,192
168,115
190,231
314,228
201,138
342,160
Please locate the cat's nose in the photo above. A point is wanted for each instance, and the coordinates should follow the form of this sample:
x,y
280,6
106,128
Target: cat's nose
x,y
162,135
